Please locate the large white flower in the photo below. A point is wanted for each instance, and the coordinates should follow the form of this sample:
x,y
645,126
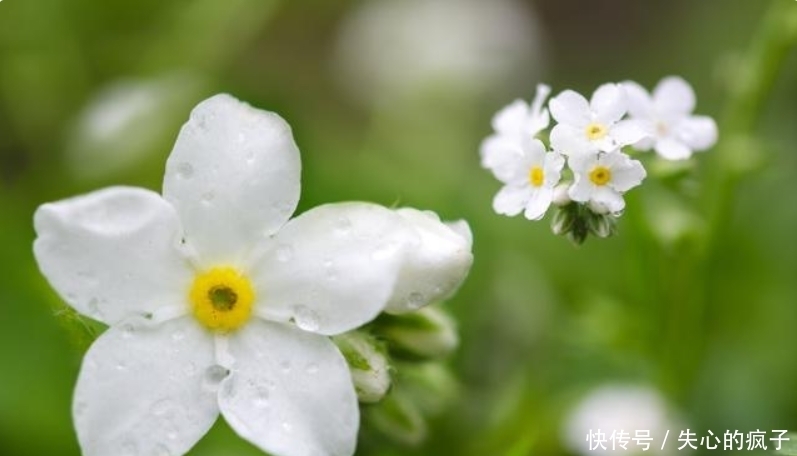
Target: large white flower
x,y
585,127
666,116
217,303
601,179
529,174
514,124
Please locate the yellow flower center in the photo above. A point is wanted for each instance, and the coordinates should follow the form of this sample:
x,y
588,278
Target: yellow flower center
x,y
600,175
536,176
221,299
595,131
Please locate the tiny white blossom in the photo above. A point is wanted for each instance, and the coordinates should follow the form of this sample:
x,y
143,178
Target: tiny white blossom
x,y
621,413
601,179
587,127
529,174
217,303
513,124
666,116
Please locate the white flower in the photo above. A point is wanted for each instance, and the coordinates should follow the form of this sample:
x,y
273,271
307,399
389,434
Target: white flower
x,y
601,179
215,301
585,127
666,118
513,124
529,174
616,408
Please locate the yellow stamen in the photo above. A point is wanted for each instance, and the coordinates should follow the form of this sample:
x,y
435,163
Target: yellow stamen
x,y
600,175
221,299
596,131
536,176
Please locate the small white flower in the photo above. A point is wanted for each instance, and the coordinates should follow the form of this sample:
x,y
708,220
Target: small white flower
x,y
616,408
601,179
529,174
666,116
216,302
513,124
586,127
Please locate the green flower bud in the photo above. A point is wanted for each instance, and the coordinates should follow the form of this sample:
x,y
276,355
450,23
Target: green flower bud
x,y
427,333
368,364
398,418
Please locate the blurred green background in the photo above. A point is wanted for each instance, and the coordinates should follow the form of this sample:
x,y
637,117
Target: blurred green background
x,y
696,297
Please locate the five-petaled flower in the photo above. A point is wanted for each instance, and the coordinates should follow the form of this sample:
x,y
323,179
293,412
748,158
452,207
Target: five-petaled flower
x,y
595,126
666,117
601,179
218,303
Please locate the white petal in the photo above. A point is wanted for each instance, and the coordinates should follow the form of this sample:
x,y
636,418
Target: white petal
x,y
629,131
672,149
540,119
504,157
538,203
607,197
570,108
697,132
511,119
554,163
333,268
146,391
511,200
112,253
435,267
626,173
571,141
581,190
608,104
290,392
233,176
640,104
673,95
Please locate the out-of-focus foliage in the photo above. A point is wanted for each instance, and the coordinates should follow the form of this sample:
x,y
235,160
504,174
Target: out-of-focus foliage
x,y
93,93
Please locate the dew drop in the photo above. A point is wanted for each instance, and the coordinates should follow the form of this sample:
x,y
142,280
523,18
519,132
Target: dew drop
x,y
287,426
128,331
177,336
285,366
306,318
162,407
261,397
284,253
415,300
185,170
94,307
162,450
343,226
208,197
129,448
121,365
311,368
214,375
384,251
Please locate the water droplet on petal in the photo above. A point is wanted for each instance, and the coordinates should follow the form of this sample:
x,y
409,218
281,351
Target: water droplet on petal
x,y
306,318
284,253
288,427
384,251
415,300
312,368
262,397
163,407
343,226
208,197
128,331
177,336
214,375
185,170
285,366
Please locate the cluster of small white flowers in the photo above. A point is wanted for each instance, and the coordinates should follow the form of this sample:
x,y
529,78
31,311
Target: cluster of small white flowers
x,y
590,137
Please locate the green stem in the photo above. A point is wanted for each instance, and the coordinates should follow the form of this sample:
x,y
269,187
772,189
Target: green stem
x,y
734,157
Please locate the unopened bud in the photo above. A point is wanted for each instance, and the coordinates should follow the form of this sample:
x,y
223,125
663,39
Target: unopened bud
x,y
563,220
368,365
561,197
601,225
427,333
398,418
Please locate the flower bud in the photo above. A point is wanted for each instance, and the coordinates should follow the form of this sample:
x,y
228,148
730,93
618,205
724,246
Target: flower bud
x,y
561,197
398,418
428,333
601,225
563,220
367,363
